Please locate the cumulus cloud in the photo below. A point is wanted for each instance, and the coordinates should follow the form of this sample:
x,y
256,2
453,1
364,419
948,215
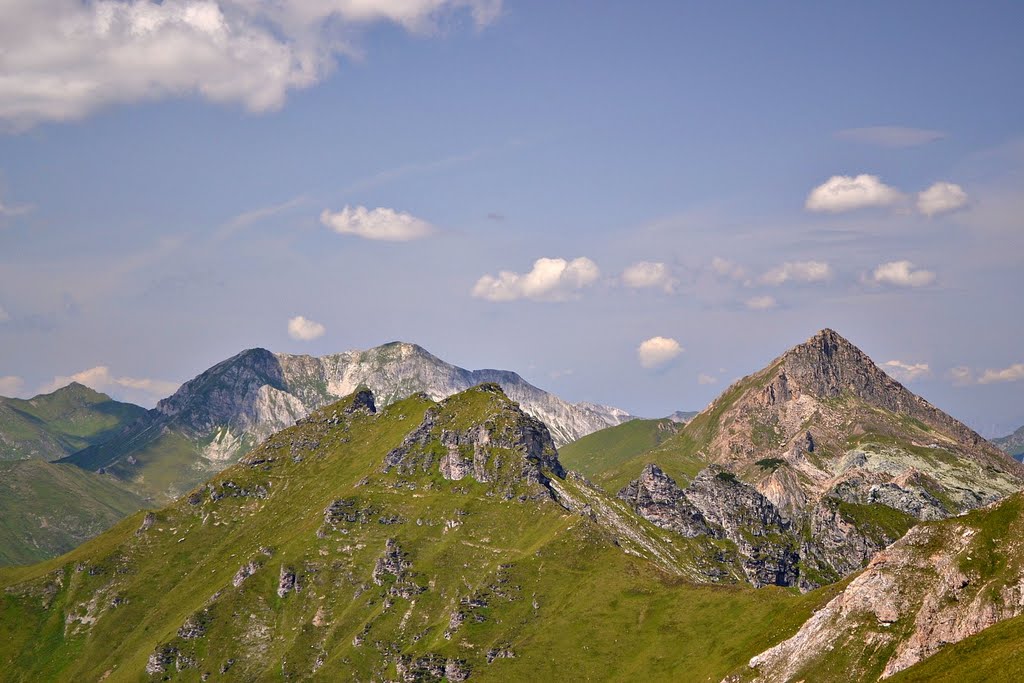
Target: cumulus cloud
x,y
906,372
798,271
761,303
63,60
379,224
658,351
11,385
726,268
901,274
648,274
847,193
1014,373
941,198
551,279
706,379
304,329
891,136
101,379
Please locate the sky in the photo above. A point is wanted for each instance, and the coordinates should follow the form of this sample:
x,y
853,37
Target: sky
x,y
627,203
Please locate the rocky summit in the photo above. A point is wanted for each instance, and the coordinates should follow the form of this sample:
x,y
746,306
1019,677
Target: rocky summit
x,y
223,413
846,456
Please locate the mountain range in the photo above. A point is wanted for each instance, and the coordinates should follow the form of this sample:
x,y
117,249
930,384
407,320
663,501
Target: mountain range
x,y
1012,444
221,414
429,540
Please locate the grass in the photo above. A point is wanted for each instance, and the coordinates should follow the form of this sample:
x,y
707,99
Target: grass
x,y
559,594
607,448
47,509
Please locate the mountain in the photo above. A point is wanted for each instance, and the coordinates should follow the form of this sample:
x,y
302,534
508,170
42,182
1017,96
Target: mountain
x,y
223,413
46,509
833,459
682,416
426,541
51,426
595,453
1012,444
938,585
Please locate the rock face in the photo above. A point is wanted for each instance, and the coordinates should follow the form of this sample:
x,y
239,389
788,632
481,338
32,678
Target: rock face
x,y
502,446
718,505
236,404
848,458
937,585
1013,444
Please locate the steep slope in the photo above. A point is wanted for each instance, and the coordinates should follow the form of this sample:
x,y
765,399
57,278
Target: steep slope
x,y
47,509
940,584
1012,444
216,417
596,453
429,541
848,457
50,426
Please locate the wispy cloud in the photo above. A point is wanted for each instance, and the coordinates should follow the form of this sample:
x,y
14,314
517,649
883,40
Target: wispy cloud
x,y
1013,373
798,271
101,379
647,274
891,136
11,385
906,372
761,303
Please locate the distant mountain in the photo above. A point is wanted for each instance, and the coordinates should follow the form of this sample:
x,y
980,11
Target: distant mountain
x,y
683,416
223,413
1012,444
837,459
50,426
46,509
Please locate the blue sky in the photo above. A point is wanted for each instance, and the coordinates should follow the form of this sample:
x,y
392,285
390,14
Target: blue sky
x,y
727,177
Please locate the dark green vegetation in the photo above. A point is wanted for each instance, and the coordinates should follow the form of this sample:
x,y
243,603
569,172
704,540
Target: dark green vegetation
x,y
609,447
51,426
47,509
309,560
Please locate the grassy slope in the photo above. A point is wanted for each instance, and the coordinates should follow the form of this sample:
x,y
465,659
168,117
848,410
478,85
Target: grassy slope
x,y
48,509
995,655
50,426
560,595
597,452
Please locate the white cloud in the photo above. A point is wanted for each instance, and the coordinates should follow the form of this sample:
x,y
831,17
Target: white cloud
x,y
379,224
902,274
706,379
304,329
6,210
940,198
847,193
798,271
657,351
11,385
891,136
551,279
648,274
906,372
1014,373
761,303
101,379
63,60
727,268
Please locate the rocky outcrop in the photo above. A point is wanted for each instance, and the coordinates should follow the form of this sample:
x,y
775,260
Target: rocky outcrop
x,y
937,585
395,569
718,505
503,446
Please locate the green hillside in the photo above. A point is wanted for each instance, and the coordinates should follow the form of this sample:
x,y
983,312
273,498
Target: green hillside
x,y
51,426
47,509
338,551
607,448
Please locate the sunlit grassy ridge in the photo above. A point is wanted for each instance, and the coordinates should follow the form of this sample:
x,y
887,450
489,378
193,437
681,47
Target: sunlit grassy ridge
x,y
543,593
